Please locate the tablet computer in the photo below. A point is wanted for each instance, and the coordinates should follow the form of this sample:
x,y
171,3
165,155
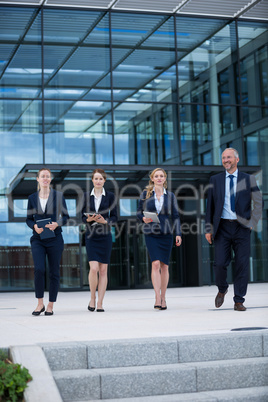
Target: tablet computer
x,y
151,215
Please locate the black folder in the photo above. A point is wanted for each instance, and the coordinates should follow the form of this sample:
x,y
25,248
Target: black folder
x,y
47,233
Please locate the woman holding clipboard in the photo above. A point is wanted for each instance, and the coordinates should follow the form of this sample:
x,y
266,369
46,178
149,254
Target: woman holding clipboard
x,y
99,212
46,213
158,210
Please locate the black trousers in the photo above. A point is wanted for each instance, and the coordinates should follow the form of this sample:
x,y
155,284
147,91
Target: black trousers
x,y
232,235
52,248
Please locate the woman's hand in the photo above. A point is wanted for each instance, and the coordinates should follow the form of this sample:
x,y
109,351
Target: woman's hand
x,y
178,241
91,218
100,219
147,220
52,226
37,229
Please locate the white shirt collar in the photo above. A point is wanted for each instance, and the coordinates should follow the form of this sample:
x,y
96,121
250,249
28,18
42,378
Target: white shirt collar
x,y
93,192
234,174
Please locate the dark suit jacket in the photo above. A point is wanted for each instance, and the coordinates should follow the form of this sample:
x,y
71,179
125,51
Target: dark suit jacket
x,y
169,215
246,192
56,209
108,209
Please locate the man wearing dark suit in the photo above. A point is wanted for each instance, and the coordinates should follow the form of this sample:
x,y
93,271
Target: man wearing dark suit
x,y
229,220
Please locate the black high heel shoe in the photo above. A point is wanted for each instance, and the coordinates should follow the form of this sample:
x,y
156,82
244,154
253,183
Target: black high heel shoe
x,y
90,308
39,312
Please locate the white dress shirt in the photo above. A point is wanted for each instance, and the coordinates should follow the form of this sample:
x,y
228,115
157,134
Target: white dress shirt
x,y
159,203
43,203
97,200
227,213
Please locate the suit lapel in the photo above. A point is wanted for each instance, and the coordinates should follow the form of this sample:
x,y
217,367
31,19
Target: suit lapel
x,y
222,186
38,207
151,204
49,207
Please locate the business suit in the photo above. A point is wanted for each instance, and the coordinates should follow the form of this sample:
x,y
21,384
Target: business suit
x,y
98,237
159,236
233,233
56,210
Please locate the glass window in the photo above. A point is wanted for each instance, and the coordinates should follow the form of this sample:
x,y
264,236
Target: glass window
x,y
143,57
20,137
20,208
78,132
252,39
204,48
20,65
76,54
146,134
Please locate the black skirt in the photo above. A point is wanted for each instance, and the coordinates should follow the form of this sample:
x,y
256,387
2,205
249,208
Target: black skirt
x,y
99,247
159,247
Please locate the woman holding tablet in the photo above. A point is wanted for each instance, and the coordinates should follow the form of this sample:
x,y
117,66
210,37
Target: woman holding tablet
x,y
46,213
99,212
158,210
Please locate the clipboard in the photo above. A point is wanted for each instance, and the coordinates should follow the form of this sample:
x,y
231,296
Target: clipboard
x,y
151,215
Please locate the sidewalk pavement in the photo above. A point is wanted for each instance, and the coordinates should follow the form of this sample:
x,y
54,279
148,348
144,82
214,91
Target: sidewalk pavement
x,y
128,314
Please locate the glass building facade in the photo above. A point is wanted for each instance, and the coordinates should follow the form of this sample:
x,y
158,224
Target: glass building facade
x,y
127,92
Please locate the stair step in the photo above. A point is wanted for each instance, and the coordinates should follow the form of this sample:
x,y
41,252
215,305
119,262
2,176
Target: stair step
x,y
150,351
254,394
179,378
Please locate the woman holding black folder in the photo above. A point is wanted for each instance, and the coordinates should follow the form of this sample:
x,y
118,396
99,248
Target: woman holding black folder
x,y
99,212
46,213
161,220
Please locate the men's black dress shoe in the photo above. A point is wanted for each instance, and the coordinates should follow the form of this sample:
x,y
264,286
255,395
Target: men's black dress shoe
x,y
100,310
49,313
220,298
239,307
91,308
39,312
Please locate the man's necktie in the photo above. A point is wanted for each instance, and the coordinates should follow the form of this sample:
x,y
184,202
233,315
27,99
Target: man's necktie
x,y
232,196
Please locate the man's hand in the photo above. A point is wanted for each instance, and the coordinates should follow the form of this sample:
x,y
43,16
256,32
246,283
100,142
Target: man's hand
x,y
209,238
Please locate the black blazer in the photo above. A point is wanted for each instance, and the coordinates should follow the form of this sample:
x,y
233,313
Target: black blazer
x,y
108,209
169,214
246,192
56,209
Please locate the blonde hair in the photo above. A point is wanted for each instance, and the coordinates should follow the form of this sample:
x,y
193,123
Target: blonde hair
x,y
38,174
150,186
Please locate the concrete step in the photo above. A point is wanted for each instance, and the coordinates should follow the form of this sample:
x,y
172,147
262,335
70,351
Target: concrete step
x,y
254,394
156,351
153,380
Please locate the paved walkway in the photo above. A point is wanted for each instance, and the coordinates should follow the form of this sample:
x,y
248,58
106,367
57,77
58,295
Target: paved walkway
x,y
128,314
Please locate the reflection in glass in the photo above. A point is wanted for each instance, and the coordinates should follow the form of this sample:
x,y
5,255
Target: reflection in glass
x,y
76,54
145,134
202,52
78,132
20,64
21,139
143,57
252,39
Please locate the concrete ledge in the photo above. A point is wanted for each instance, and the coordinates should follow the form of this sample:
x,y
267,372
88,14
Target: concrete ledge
x,y
232,374
147,380
42,387
256,394
78,384
66,356
220,347
132,353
